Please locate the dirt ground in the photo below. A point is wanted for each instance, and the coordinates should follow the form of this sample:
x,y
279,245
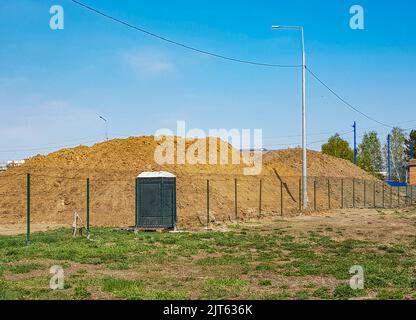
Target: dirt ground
x,y
376,225
19,228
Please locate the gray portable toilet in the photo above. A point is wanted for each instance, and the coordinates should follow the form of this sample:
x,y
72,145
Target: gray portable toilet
x,y
156,200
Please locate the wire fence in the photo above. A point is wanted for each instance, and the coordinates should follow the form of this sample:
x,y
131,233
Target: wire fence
x,y
202,199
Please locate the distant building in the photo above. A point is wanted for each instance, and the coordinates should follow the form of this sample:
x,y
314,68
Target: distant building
x,y
412,172
15,163
10,164
254,150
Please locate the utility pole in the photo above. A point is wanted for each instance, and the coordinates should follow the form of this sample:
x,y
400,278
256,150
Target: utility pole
x,y
355,142
389,156
304,141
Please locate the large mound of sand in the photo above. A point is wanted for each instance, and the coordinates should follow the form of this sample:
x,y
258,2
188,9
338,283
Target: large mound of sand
x,y
58,183
133,154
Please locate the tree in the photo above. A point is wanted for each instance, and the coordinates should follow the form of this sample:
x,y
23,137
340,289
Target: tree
x,y
338,147
369,153
411,143
397,154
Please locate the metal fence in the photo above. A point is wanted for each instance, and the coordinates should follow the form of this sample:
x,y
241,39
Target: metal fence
x,y
107,198
243,197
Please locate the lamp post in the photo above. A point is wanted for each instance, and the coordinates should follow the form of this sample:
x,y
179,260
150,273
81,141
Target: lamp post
x,y
304,142
106,126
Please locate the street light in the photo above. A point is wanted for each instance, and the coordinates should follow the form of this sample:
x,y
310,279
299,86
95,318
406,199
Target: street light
x,y
106,127
304,152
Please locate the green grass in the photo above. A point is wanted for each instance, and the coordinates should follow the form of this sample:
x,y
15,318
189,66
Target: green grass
x,y
136,290
244,263
223,288
8,293
322,293
390,295
81,293
24,268
344,291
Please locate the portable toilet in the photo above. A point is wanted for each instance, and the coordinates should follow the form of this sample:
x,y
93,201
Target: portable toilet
x,y
156,200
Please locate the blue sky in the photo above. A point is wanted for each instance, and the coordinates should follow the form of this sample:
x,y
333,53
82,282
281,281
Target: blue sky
x,y
54,84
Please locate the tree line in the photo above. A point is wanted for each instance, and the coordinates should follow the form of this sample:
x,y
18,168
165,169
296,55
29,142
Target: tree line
x,y
372,155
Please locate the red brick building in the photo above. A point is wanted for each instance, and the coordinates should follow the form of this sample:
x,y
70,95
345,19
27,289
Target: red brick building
x,y
412,172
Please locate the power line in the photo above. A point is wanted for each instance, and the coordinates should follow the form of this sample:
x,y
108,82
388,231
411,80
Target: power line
x,y
394,124
318,141
292,144
44,148
152,34
54,144
309,134
345,101
341,133
309,143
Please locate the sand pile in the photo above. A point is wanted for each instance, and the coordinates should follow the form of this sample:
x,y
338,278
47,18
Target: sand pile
x,y
132,154
58,183
319,165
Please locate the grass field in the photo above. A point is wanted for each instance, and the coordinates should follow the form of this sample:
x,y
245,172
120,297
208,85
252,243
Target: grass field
x,y
296,258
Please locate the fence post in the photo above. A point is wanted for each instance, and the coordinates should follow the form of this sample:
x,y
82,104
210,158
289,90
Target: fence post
x,y
384,187
281,198
261,187
235,199
28,209
136,208
342,193
374,194
329,194
300,194
208,205
353,193
365,193
398,197
407,195
391,197
88,208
